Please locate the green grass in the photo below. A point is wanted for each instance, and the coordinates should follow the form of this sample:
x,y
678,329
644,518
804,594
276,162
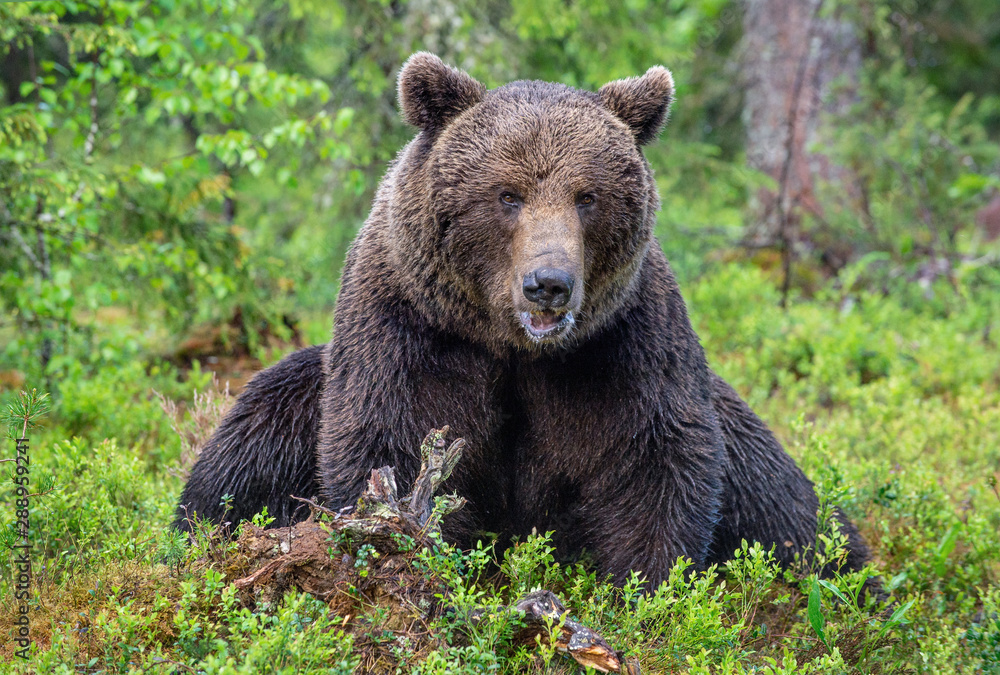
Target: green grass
x,y
891,404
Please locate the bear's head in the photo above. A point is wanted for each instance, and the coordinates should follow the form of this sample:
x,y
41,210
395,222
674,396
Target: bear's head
x,y
524,213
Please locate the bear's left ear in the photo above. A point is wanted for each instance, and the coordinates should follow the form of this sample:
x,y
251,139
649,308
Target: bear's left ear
x,y
641,102
432,93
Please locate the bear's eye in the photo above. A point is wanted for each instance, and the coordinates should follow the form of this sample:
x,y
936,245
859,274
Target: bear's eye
x,y
510,199
586,200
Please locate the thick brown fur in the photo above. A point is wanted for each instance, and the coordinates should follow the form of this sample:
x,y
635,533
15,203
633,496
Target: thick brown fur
x,y
608,427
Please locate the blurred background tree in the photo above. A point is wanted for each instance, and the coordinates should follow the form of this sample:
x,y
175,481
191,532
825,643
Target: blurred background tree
x,y
181,178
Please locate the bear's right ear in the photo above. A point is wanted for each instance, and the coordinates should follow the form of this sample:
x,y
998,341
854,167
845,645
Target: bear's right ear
x,y
432,93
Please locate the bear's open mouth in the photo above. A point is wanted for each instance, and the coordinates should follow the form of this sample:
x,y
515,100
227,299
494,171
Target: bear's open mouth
x,y
546,323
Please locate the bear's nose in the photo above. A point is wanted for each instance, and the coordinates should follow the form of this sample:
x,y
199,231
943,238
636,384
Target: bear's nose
x,y
548,287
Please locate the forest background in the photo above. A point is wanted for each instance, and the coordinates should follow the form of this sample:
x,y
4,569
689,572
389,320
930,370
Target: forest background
x,y
179,184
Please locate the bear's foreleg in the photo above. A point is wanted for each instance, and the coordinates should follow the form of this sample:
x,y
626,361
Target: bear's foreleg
x,y
645,518
767,498
392,380
264,449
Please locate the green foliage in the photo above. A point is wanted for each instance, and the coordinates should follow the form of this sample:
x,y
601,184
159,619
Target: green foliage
x,y
916,165
24,412
103,506
984,634
920,167
213,633
120,403
121,148
299,636
909,455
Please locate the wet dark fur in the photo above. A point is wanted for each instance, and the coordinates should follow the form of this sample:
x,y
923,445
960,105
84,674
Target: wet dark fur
x,y
619,436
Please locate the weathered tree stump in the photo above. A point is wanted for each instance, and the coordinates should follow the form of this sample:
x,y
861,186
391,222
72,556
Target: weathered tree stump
x,y
363,555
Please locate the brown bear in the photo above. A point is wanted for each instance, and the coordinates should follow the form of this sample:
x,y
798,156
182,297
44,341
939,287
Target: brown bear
x,y
508,284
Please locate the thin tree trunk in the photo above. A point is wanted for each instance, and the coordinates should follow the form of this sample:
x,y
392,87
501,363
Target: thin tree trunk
x,y
791,54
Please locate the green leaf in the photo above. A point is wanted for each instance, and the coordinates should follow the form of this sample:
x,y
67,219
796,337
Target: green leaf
x,y
343,120
152,176
833,589
944,549
815,613
898,618
48,95
897,581
969,185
